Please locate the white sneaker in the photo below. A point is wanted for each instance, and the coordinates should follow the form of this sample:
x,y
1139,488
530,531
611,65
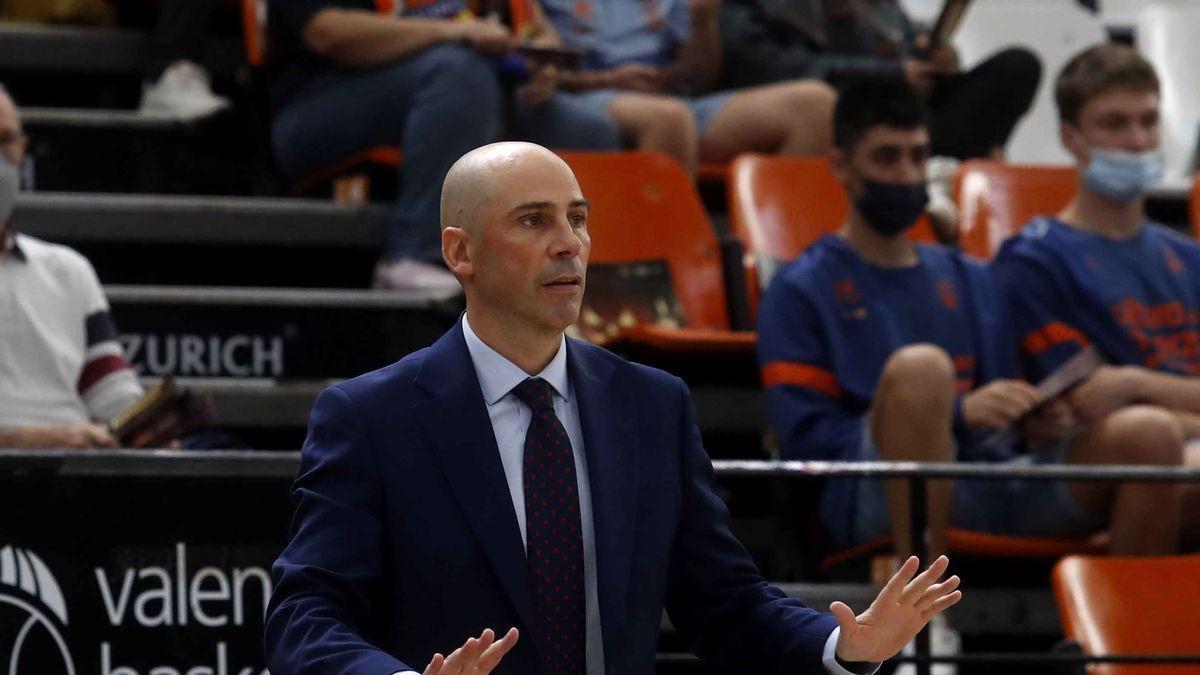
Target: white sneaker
x,y
943,212
414,275
183,91
943,641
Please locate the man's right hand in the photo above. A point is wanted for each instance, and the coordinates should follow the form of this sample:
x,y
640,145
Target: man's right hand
x,y
478,656
636,77
486,36
998,404
920,75
77,436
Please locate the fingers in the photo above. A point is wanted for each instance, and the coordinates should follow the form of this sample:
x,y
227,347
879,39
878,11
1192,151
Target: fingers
x,y
492,655
463,659
435,665
917,587
942,604
99,437
936,592
895,585
845,617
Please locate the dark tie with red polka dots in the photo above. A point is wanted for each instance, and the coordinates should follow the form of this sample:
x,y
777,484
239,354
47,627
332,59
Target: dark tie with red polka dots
x,y
554,546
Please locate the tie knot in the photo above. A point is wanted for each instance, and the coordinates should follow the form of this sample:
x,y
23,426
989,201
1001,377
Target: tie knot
x,y
535,393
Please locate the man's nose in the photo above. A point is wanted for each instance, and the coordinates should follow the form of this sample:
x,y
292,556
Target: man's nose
x,y
567,241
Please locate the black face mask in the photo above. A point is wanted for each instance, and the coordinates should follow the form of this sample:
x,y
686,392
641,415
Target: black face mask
x,y
892,208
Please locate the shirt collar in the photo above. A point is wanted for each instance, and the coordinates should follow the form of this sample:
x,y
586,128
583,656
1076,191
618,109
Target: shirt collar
x,y
497,375
9,245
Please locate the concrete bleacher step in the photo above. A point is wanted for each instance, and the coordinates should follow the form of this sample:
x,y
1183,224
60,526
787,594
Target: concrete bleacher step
x,y
35,48
71,218
95,118
275,333
246,241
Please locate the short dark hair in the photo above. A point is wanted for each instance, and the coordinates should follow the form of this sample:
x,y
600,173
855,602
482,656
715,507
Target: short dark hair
x,y
875,101
1097,70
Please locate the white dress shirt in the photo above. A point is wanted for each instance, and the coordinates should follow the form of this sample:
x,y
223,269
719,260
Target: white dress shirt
x,y
510,419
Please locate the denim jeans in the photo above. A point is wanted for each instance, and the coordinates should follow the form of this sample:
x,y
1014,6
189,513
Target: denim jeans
x,y
436,105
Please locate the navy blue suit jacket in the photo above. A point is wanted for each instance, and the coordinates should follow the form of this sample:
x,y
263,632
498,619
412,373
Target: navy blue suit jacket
x,y
405,542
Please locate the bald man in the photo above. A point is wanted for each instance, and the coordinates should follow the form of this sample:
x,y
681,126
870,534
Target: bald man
x,y
508,480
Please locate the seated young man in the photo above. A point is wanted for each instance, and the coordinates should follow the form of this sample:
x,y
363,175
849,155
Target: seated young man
x,y
651,67
1100,272
876,348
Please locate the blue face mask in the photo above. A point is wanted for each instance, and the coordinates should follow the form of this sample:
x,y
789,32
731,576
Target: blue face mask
x,y
891,208
10,181
1123,176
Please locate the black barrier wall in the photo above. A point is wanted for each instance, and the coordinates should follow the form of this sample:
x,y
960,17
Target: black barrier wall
x,y
136,576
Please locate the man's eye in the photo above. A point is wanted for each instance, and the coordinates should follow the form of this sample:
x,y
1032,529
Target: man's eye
x,y
578,220
531,220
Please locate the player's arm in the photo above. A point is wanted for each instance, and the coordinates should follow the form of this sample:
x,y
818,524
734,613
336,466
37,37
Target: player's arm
x,y
1039,308
804,399
355,38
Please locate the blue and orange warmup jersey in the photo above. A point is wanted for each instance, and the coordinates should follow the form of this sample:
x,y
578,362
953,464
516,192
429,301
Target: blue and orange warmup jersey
x,y
1137,300
830,321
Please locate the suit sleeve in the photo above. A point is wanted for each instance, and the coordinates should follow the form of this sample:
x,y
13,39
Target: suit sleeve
x,y
804,399
327,579
1039,308
716,597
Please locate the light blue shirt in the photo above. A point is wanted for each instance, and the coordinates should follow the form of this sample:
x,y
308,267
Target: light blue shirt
x,y
615,32
510,420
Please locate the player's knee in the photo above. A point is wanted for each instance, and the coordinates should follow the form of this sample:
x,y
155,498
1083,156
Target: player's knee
x,y
1145,435
920,376
672,114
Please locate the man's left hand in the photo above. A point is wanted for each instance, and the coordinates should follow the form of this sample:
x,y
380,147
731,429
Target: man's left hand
x,y
900,611
540,88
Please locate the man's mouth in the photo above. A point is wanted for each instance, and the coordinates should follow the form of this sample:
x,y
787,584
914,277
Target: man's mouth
x,y
569,281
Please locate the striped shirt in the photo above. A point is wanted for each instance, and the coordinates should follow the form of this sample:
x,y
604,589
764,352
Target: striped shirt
x,y
60,360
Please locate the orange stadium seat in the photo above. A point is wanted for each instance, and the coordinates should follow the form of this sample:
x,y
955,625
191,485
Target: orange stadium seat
x,y
997,199
780,205
983,545
645,208
1131,606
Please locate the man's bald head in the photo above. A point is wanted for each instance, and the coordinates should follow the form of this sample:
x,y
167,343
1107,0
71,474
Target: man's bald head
x,y
478,178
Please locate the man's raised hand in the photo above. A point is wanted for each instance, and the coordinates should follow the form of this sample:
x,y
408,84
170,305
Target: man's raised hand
x,y
900,611
478,656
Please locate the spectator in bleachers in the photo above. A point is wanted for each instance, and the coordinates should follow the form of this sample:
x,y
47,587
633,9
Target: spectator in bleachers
x,y
62,373
350,78
876,348
1100,272
972,113
652,68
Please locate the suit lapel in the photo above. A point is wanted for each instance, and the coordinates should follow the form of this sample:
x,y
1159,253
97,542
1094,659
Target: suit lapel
x,y
611,450
458,427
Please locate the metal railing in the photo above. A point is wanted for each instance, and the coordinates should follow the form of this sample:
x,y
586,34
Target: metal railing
x,y
919,473
282,465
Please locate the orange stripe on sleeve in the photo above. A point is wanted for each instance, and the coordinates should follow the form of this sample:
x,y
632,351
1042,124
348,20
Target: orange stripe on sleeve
x,y
800,375
1051,336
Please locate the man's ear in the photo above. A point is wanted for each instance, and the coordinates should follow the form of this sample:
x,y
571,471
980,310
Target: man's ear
x,y
837,163
455,251
1069,136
